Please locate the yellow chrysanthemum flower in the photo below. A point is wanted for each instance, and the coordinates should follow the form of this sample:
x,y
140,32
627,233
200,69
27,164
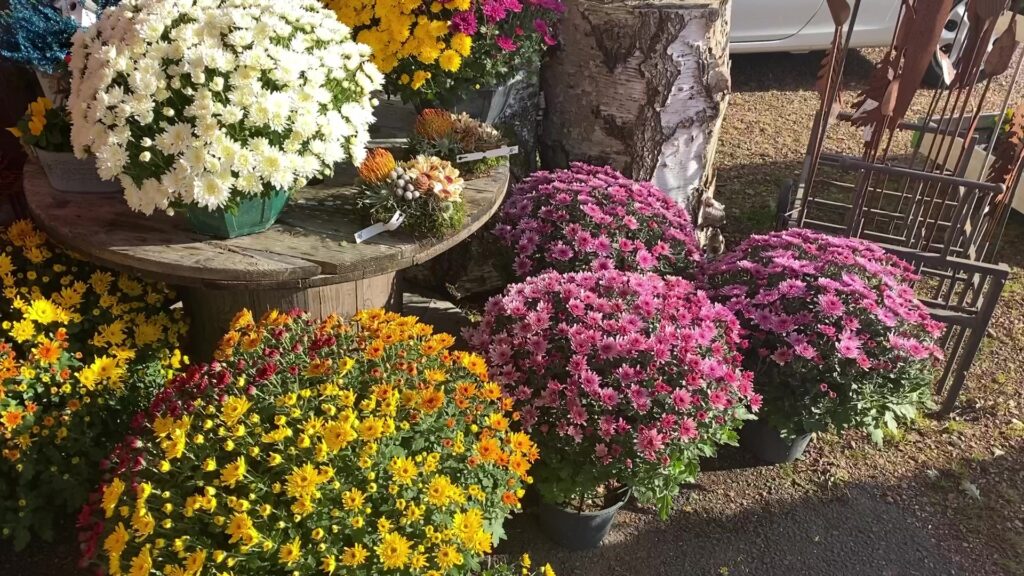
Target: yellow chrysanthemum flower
x,y
450,61
394,551
290,552
354,555
233,472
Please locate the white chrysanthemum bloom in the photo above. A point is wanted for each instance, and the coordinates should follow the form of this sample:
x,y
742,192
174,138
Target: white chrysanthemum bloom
x,y
207,102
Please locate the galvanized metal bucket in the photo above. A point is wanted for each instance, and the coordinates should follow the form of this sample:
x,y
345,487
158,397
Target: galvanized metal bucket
x,y
69,174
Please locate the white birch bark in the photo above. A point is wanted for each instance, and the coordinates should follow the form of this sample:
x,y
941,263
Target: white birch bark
x,y
640,85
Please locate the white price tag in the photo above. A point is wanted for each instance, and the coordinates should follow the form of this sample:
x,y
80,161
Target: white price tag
x,y
503,151
371,231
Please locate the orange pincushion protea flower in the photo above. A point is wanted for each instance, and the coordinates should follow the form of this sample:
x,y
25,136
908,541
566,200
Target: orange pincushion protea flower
x,y
434,123
377,165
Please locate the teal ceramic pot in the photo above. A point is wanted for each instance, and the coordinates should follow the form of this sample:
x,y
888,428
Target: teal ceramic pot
x,y
253,215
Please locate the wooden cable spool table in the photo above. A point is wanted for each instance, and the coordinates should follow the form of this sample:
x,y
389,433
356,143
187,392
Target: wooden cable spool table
x,y
308,259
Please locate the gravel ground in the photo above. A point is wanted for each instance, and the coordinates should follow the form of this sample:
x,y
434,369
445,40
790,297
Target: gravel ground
x,y
944,498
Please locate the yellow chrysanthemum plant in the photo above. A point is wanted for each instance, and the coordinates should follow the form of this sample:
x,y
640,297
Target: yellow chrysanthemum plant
x,y
82,350
44,126
523,567
434,52
315,447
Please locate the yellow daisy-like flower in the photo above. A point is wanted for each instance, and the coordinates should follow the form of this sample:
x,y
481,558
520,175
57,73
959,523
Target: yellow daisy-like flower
x,y
419,78
371,428
337,435
303,481
234,408
394,551
112,496
44,312
462,43
290,552
240,528
23,330
354,555
448,556
114,543
142,564
195,561
403,469
353,499
233,472
174,445
143,523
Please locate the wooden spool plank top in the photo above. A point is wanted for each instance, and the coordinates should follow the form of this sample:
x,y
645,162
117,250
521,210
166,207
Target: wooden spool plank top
x,y
310,245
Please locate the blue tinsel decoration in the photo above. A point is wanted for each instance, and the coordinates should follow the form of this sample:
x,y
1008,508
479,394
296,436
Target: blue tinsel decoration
x,y
35,34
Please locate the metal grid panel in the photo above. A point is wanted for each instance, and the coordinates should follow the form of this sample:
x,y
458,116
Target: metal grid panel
x,y
942,205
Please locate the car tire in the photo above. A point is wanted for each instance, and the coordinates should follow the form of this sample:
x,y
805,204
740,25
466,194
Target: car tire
x,y
949,37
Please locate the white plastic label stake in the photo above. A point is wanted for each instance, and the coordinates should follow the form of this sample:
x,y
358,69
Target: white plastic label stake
x,y
503,151
371,231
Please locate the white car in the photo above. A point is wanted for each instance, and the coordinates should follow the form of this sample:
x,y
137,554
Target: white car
x,y
805,25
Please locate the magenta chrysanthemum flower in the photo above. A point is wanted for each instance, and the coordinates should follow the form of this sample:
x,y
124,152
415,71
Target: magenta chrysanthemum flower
x,y
613,222
825,309
507,44
622,370
553,5
544,30
464,22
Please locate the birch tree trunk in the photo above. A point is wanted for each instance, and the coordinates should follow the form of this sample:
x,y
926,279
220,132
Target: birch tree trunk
x,y
640,85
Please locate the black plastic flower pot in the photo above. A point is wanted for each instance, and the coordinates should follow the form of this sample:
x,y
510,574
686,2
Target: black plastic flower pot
x,y
765,442
579,530
486,104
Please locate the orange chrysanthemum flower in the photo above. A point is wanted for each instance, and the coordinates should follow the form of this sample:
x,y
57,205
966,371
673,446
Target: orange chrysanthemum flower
x,y
378,164
434,123
48,351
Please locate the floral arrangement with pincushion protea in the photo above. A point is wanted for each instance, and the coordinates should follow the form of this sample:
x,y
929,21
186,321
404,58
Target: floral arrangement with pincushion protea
x,y
426,189
448,136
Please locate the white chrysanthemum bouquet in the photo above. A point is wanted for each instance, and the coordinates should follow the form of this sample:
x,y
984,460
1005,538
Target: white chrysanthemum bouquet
x,y
208,103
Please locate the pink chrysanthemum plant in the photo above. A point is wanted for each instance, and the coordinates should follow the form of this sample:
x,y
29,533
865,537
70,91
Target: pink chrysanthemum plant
x,y
837,336
591,218
620,378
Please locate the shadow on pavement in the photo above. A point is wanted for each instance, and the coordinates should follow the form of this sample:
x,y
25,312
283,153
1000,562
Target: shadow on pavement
x,y
903,528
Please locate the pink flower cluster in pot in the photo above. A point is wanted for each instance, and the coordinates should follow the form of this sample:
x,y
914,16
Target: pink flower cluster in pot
x,y
621,378
837,336
591,218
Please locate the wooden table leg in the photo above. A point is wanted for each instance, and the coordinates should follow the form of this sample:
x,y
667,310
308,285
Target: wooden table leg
x,y
211,309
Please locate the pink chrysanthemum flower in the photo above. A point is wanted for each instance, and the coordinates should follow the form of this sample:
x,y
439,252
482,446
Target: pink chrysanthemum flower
x,y
617,372
613,222
835,312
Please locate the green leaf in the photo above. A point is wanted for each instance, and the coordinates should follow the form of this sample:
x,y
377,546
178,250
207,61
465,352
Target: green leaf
x,y
890,422
876,436
21,538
